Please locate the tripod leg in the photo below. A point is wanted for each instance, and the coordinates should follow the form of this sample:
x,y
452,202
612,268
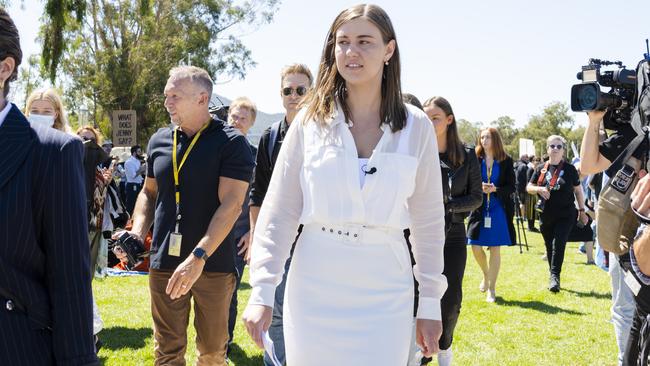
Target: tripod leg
x,y
519,234
525,238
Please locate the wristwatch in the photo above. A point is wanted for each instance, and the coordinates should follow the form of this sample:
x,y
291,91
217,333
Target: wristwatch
x,y
200,253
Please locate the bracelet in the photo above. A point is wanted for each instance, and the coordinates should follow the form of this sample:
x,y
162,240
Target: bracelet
x,y
581,210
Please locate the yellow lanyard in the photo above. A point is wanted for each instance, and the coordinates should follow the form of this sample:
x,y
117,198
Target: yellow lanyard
x,y
177,168
489,177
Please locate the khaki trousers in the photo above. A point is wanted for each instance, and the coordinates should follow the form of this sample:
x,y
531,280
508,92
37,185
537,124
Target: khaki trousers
x,y
212,293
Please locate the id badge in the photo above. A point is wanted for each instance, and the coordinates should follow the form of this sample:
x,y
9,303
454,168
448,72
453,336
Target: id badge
x,y
487,223
175,244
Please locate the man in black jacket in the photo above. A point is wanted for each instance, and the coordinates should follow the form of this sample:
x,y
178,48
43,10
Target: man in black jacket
x,y
296,80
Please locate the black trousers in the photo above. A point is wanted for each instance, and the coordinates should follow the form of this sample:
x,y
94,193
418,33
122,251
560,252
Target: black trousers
x,y
455,255
642,300
132,191
556,232
240,263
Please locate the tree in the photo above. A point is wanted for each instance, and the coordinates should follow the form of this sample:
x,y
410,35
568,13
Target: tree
x,y
119,56
29,79
58,16
509,134
554,120
468,131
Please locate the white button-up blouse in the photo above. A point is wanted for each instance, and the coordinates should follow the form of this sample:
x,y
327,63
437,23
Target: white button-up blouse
x,y
316,180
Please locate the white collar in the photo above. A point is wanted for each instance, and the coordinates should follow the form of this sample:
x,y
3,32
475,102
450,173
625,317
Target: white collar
x,y
5,112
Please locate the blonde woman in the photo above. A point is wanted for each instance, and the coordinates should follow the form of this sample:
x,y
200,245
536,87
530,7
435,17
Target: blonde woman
x,y
557,183
45,107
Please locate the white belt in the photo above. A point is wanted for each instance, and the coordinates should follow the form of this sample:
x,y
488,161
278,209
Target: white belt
x,y
355,233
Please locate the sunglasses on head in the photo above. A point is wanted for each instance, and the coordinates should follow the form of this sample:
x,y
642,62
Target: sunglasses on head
x,y
301,90
556,147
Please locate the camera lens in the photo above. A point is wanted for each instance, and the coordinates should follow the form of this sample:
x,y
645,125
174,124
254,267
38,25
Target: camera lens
x,y
588,97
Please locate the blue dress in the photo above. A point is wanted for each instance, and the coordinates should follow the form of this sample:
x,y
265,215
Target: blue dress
x,y
497,234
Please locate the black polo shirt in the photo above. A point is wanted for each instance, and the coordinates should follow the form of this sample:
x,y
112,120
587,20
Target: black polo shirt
x,y
220,151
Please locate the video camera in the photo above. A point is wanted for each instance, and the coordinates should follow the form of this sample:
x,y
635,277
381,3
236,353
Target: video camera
x,y
220,111
132,247
619,100
627,104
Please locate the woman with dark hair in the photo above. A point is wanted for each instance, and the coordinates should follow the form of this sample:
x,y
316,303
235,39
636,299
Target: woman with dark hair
x,y
461,178
491,224
557,182
357,168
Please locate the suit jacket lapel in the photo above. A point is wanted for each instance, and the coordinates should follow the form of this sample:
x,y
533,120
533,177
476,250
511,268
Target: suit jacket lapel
x,y
16,141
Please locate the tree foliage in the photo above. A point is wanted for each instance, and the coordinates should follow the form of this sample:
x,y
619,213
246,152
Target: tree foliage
x,y
509,134
468,131
554,120
120,54
29,79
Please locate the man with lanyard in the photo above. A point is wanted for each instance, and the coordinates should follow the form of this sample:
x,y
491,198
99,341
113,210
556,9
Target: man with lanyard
x,y
241,115
296,80
197,177
134,169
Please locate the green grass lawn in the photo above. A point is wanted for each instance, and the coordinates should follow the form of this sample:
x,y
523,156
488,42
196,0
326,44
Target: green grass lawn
x,y
527,325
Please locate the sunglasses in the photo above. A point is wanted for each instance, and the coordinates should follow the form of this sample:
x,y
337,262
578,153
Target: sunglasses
x,y
556,147
87,138
301,90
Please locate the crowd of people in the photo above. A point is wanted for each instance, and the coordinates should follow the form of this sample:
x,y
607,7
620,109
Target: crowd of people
x,y
354,213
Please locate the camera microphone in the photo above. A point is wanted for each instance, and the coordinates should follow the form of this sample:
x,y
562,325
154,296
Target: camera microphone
x,y
372,170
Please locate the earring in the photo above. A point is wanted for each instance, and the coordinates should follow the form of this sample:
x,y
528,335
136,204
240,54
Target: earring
x,y
386,62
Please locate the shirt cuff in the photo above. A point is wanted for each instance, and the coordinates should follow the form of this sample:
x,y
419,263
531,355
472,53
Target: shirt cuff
x,y
429,308
645,279
262,294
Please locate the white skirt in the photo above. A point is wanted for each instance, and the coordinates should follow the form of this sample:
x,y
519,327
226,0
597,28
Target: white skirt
x,y
348,299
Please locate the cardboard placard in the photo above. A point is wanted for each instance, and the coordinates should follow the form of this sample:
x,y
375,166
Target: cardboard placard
x,y
124,128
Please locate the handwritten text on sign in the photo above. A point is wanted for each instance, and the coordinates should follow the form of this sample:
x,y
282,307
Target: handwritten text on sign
x,y
124,128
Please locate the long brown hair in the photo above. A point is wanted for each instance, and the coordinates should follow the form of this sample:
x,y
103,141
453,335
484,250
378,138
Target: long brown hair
x,y
454,144
330,85
497,145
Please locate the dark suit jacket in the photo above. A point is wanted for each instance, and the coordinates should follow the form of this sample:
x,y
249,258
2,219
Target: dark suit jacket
x,y
505,188
44,250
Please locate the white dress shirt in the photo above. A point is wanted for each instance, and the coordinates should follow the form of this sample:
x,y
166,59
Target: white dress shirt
x,y
317,180
132,166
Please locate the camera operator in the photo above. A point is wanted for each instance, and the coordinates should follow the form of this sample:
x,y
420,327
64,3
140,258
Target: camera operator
x,y
596,156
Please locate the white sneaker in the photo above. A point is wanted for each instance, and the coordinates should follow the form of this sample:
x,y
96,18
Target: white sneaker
x,y
491,296
445,357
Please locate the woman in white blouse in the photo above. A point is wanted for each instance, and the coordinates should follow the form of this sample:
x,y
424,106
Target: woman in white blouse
x,y
357,169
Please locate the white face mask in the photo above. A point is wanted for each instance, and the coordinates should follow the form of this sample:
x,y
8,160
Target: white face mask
x,y
40,119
